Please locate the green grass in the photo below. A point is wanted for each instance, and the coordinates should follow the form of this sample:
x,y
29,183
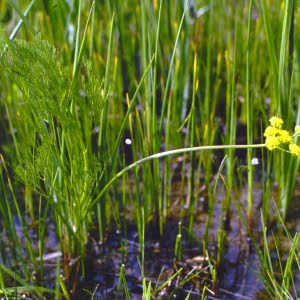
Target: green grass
x,y
186,89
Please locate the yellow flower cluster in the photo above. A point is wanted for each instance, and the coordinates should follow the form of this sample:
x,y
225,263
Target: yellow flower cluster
x,y
294,149
276,136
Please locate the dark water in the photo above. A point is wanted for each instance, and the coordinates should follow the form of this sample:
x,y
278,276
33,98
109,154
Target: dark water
x,y
238,274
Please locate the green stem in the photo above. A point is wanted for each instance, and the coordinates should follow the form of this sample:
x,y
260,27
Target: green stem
x,y
168,153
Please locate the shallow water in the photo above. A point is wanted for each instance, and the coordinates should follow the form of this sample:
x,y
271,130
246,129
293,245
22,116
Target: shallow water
x,y
238,275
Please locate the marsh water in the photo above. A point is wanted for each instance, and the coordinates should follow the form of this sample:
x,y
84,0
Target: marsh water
x,y
238,275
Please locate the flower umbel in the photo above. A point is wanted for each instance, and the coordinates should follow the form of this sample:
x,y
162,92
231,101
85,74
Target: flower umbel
x,y
276,122
276,136
272,142
271,131
284,136
294,149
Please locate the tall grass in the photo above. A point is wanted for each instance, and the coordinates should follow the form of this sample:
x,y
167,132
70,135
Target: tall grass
x,y
171,79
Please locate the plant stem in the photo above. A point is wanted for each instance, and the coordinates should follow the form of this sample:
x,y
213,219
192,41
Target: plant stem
x,y
168,153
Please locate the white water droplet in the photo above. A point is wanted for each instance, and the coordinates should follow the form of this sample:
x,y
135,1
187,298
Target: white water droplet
x,y
128,141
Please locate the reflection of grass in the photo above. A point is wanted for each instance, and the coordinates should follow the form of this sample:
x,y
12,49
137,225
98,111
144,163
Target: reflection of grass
x,y
170,81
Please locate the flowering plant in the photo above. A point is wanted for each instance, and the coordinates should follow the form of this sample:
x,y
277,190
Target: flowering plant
x,y
276,136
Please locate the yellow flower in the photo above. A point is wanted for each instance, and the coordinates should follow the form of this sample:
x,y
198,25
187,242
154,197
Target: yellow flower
x,y
297,129
284,136
272,142
276,122
294,149
270,131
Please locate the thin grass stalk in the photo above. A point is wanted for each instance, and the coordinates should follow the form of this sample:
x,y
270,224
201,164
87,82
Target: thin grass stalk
x,y
213,272
231,118
22,16
152,140
142,240
100,218
129,110
145,58
7,218
17,28
278,291
77,40
109,8
151,172
207,94
64,288
166,169
278,286
170,279
267,185
288,273
221,239
249,105
127,115
210,99
92,32
293,256
11,130
168,82
122,280
292,168
57,276
103,117
11,225
178,244
102,137
155,140
24,286
162,203
57,31
284,87
192,125
147,290
211,204
41,234
139,207
2,284
168,106
283,81
79,49
271,49
267,267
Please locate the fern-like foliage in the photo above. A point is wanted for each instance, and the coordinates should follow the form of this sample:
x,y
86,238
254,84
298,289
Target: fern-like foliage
x,y
55,123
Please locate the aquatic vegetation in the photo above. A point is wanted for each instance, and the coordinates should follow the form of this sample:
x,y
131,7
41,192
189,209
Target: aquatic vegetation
x,y
120,121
